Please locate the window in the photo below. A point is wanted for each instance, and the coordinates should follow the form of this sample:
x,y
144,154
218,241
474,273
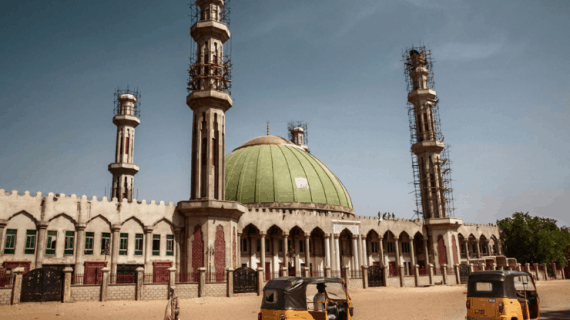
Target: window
x,y
124,244
390,247
156,245
105,243
138,244
169,245
243,245
310,246
89,236
69,237
405,247
374,247
267,248
10,246
258,242
271,296
51,242
30,242
301,246
484,286
288,245
280,246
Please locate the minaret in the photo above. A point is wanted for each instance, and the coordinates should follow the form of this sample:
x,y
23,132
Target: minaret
x,y
430,166
127,118
210,220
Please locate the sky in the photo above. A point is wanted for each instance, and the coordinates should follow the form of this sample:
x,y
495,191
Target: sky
x,y
500,70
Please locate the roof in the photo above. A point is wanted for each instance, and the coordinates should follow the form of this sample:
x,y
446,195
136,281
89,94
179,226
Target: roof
x,y
271,169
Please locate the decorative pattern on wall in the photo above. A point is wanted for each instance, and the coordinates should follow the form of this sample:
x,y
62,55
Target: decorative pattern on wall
x,y
197,249
234,249
220,254
455,258
441,251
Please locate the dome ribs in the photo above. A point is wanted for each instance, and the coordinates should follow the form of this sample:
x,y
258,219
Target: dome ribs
x,y
296,170
264,190
282,186
330,189
246,188
232,184
315,184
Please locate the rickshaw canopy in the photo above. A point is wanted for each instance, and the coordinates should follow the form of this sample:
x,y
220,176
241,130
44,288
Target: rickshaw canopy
x,y
502,284
290,293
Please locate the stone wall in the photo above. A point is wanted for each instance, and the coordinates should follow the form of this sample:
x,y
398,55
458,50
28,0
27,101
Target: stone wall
x,y
215,289
451,280
410,282
5,296
423,281
155,292
122,292
187,290
437,279
85,293
355,284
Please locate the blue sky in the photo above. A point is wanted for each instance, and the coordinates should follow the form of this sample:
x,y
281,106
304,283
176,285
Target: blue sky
x,y
501,74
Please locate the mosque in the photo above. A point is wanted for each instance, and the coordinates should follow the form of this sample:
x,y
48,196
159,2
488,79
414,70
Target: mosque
x,y
269,204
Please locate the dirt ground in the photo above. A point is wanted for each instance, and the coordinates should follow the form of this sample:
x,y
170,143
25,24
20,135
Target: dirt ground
x,y
441,302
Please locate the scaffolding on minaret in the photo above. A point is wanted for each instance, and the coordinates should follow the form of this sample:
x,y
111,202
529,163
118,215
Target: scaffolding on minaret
x,y
136,110
445,162
298,124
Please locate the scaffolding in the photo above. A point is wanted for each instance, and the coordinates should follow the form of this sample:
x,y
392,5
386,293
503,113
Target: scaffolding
x,y
423,59
134,110
210,69
294,124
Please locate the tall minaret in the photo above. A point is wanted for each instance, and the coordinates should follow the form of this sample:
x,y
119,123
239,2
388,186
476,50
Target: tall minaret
x,y
209,100
427,140
127,114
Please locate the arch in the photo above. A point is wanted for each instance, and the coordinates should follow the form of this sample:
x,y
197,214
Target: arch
x,y
403,234
388,234
159,221
317,232
371,234
65,215
25,213
135,219
100,216
274,230
250,229
296,230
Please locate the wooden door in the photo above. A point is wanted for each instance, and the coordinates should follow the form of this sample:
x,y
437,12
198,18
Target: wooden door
x,y
268,271
161,274
93,273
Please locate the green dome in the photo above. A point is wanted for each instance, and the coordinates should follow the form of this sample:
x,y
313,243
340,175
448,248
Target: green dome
x,y
270,169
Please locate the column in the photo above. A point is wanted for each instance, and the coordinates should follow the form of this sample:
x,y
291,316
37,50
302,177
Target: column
x,y
355,253
252,251
79,248
140,280
297,252
478,249
412,252
3,224
397,245
334,263
364,251
17,286
360,252
381,248
177,252
148,249
488,248
67,284
327,250
285,257
238,248
42,238
466,251
105,283
263,251
426,252
337,251
115,249
307,253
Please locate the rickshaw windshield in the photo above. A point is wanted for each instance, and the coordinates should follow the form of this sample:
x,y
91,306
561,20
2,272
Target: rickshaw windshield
x,y
335,291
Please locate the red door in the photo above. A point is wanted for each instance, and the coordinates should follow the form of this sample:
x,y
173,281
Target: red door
x,y
375,263
267,271
161,272
392,269
93,273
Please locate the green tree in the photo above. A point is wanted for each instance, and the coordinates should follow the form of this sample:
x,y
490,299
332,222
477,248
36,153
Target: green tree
x,y
535,239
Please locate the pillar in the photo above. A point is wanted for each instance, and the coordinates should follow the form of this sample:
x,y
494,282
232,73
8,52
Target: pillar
x,y
518,266
327,252
471,270
263,251
285,257
364,276
115,250
397,245
346,276
148,250
536,275
466,251
140,280
360,253
177,251
364,250
79,248
171,279
252,251
230,282
457,275
355,253
67,284
334,264
494,266
3,224
381,249
238,248
527,267
42,239
337,251
478,249
307,253
202,282
17,289
259,281
430,266
417,275
444,268
297,252
401,273
105,283
412,252
545,271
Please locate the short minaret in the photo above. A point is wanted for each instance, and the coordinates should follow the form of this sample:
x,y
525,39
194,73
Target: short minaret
x,y
127,118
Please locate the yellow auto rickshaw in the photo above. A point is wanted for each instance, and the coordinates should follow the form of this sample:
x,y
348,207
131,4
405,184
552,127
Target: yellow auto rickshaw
x,y
502,295
314,298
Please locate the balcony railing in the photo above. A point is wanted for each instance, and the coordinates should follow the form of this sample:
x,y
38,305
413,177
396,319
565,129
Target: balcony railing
x,y
122,278
77,279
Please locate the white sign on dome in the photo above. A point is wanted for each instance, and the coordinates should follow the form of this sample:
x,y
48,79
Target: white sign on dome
x,y
301,183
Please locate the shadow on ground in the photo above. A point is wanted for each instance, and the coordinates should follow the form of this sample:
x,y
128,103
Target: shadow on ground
x,y
557,314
